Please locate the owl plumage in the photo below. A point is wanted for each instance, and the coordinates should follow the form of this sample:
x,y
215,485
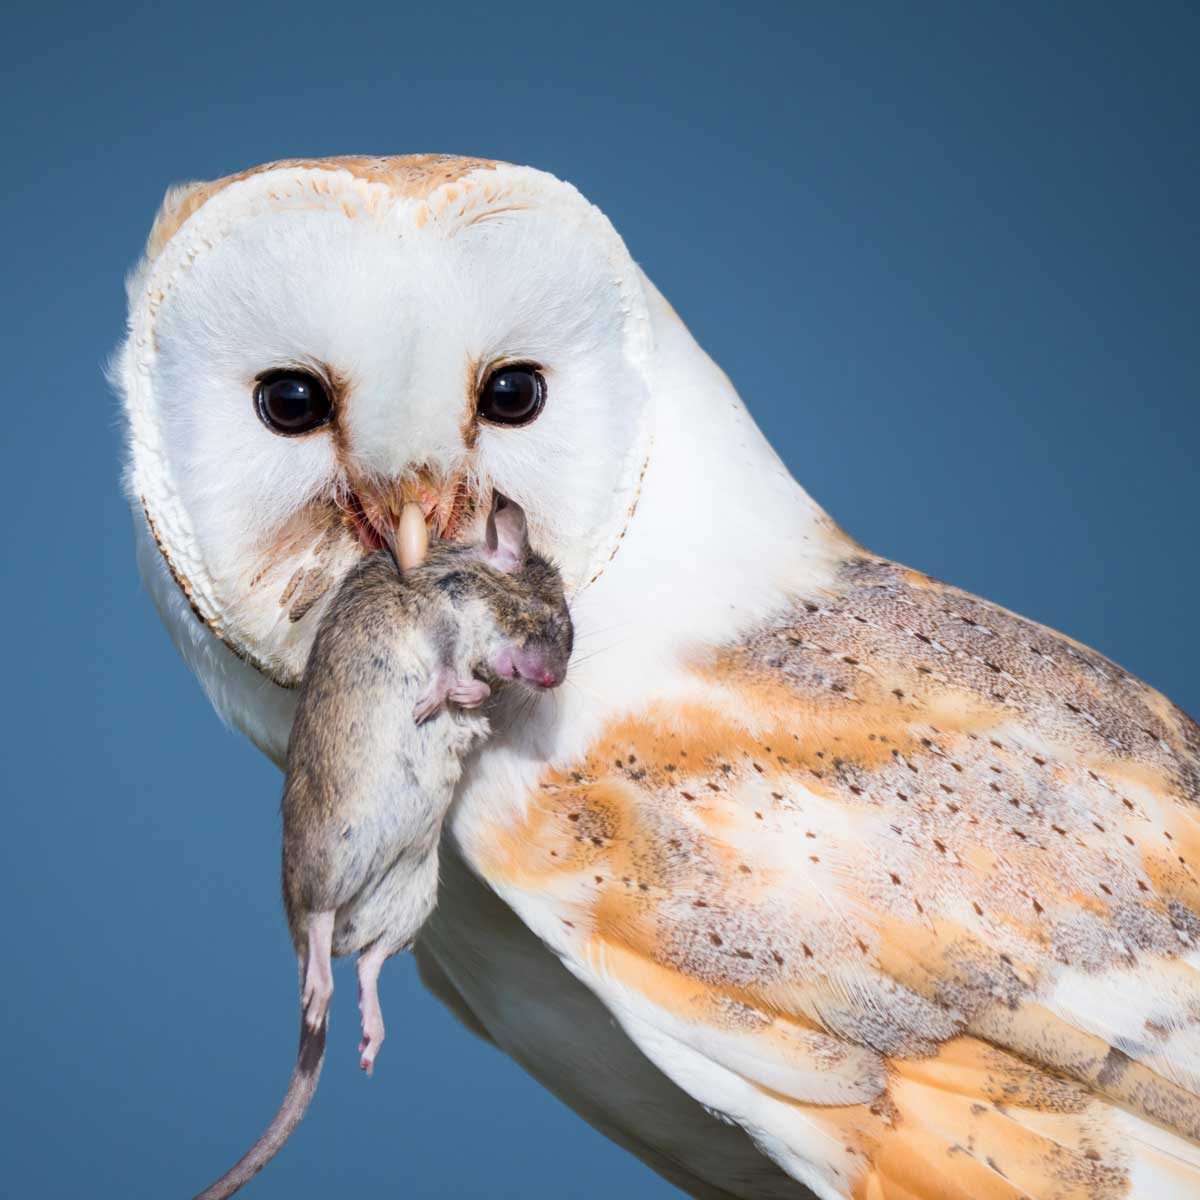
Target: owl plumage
x,y
896,890
910,883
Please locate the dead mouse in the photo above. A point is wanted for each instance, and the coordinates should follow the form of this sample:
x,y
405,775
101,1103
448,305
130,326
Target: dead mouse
x,y
387,712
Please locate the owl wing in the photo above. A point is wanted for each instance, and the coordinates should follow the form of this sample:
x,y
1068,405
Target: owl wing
x,y
906,886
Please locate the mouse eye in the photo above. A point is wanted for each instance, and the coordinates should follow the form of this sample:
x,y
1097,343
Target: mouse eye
x,y
292,402
513,394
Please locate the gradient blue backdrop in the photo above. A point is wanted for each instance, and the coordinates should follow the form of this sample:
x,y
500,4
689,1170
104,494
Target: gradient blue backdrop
x,y
948,253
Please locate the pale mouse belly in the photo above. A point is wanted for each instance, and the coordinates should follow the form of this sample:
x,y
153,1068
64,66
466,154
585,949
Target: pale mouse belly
x,y
478,957
397,901
391,841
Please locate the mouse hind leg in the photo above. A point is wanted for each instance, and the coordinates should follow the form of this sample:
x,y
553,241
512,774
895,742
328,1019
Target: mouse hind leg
x,y
318,969
370,962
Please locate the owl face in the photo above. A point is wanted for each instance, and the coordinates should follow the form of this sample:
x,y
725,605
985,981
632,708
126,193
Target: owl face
x,y
313,344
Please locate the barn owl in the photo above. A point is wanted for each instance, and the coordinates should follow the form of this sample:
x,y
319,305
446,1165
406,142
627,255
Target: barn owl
x,y
821,877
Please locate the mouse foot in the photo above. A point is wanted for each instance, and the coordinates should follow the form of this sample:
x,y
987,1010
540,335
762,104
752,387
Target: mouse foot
x,y
369,964
318,970
368,1048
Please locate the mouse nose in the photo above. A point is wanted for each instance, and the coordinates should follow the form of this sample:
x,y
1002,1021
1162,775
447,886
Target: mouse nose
x,y
538,666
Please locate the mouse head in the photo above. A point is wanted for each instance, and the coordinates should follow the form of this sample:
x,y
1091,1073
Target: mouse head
x,y
533,633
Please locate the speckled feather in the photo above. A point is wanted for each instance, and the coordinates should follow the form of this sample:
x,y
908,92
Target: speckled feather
x,y
919,871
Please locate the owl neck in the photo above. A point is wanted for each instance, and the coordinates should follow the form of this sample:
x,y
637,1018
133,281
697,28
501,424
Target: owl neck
x,y
720,535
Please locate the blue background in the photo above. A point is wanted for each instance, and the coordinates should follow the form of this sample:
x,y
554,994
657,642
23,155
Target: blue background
x,y
948,253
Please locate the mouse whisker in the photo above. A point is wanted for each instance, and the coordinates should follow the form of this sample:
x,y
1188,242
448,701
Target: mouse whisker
x,y
579,660
586,634
586,693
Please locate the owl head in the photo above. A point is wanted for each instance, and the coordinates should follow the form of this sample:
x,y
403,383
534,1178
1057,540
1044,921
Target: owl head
x,y
312,344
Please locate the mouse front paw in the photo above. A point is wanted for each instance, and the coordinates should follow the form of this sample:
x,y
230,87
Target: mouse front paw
x,y
469,692
433,698
444,688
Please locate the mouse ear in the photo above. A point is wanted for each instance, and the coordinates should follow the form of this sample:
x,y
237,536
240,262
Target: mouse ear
x,y
506,540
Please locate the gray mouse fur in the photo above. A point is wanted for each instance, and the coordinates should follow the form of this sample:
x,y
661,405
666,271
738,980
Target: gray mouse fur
x,y
388,710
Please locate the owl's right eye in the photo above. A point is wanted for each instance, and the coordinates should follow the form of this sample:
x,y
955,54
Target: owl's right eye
x,y
292,402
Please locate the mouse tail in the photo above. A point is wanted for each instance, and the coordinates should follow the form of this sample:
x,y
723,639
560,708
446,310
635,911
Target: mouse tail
x,y
300,1089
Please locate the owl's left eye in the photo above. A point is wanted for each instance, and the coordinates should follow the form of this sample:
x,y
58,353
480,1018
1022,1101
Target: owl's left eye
x,y
292,402
512,395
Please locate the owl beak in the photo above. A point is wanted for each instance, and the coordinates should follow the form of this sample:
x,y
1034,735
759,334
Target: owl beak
x,y
407,536
404,515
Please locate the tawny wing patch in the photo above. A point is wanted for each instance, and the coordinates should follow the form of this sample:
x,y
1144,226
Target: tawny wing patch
x,y
921,877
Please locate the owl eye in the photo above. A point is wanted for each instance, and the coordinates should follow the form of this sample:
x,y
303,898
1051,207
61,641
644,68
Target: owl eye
x,y
292,402
512,395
